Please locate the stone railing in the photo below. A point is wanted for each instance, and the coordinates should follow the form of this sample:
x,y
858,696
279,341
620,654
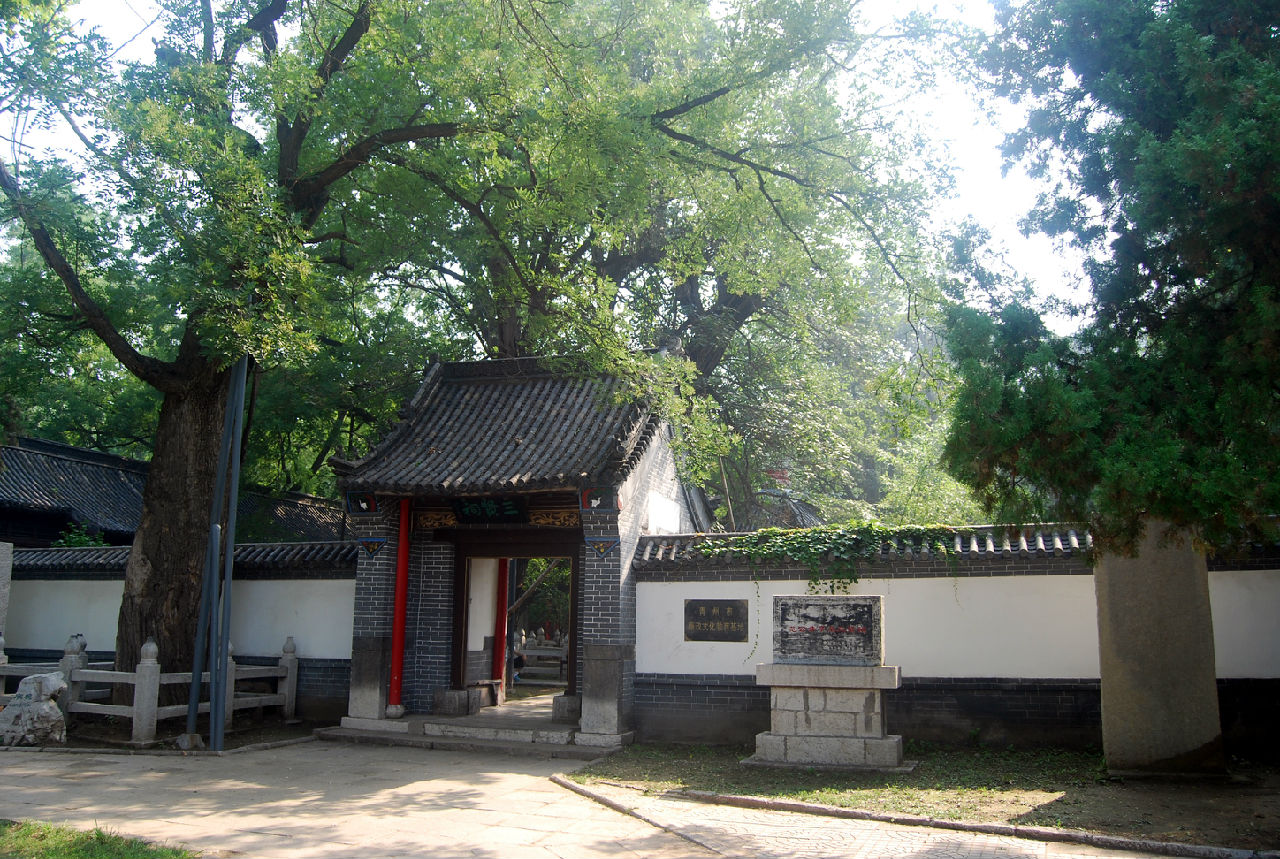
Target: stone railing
x,y
146,681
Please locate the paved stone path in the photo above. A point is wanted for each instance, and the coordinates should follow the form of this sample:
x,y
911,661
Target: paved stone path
x,y
766,834
333,799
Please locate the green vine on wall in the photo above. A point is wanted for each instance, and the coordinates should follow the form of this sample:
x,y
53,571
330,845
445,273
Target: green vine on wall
x,y
832,552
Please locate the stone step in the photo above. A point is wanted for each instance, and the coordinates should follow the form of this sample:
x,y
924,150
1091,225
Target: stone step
x,y
466,744
501,733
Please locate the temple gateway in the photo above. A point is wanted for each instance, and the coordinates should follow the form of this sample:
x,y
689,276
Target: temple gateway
x,y
498,461
493,461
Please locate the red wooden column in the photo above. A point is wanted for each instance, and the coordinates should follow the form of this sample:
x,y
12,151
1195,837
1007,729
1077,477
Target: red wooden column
x,y
500,624
399,613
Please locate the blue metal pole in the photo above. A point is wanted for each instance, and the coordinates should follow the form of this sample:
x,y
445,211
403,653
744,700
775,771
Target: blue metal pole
x,y
217,727
209,588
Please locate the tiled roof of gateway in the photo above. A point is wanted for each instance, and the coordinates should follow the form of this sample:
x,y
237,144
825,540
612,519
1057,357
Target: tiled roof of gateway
x,y
103,493
484,427
972,541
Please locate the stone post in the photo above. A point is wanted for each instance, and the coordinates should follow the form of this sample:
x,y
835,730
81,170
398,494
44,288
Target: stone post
x,y
6,574
74,659
606,720
289,682
146,694
1155,650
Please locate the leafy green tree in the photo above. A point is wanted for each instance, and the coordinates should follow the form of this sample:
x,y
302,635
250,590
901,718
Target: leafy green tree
x,y
709,186
536,171
1166,403
183,234
1164,407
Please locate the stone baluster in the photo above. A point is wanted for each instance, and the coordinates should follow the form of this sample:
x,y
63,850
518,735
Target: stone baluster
x,y
74,659
146,694
289,682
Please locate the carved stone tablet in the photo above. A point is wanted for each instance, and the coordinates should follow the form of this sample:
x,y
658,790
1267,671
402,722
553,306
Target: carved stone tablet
x,y
827,630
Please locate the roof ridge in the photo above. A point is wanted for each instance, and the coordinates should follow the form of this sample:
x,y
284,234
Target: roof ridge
x,y
79,455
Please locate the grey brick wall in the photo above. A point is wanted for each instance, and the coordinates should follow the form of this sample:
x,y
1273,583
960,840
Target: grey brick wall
x,y
376,574
317,678
429,626
607,603
732,708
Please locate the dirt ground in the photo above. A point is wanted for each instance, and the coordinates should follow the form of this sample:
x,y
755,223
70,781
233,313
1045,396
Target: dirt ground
x,y
1242,812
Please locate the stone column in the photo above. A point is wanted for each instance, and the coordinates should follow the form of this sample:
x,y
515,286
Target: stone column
x,y
6,574
608,629
146,692
1155,649
289,682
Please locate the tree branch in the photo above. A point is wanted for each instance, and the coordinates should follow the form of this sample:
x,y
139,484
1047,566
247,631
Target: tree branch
x,y
263,23
159,374
291,135
310,194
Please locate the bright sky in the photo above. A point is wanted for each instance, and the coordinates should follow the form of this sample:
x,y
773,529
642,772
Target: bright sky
x,y
983,191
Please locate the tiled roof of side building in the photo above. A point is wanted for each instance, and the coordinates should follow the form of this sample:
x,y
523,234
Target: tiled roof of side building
x,y
248,556
488,427
98,490
972,541
103,493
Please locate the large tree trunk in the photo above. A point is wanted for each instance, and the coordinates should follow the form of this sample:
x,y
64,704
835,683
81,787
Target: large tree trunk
x,y
1155,647
164,572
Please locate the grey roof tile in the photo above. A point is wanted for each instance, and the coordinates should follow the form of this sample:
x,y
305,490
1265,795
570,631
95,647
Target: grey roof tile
x,y
247,556
103,493
672,550
505,426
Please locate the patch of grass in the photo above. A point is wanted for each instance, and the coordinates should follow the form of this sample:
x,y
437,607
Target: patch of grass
x,y
1042,787
31,840
946,770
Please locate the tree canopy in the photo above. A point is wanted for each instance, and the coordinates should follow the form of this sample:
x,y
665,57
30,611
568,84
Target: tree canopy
x,y
342,191
1159,122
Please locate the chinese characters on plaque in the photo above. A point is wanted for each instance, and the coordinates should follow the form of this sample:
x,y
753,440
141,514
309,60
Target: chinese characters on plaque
x,y
715,620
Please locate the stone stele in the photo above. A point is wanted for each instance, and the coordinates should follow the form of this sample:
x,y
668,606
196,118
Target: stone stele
x,y
32,717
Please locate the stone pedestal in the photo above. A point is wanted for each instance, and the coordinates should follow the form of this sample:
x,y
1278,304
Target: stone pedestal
x,y
370,664
828,715
826,682
566,708
457,702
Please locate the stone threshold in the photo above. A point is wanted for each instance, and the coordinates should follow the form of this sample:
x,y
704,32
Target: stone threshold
x,y
461,742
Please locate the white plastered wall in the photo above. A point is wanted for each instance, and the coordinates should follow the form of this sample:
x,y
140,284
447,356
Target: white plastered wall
x,y
1002,626
44,614
1246,633
1034,626
316,612
483,601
